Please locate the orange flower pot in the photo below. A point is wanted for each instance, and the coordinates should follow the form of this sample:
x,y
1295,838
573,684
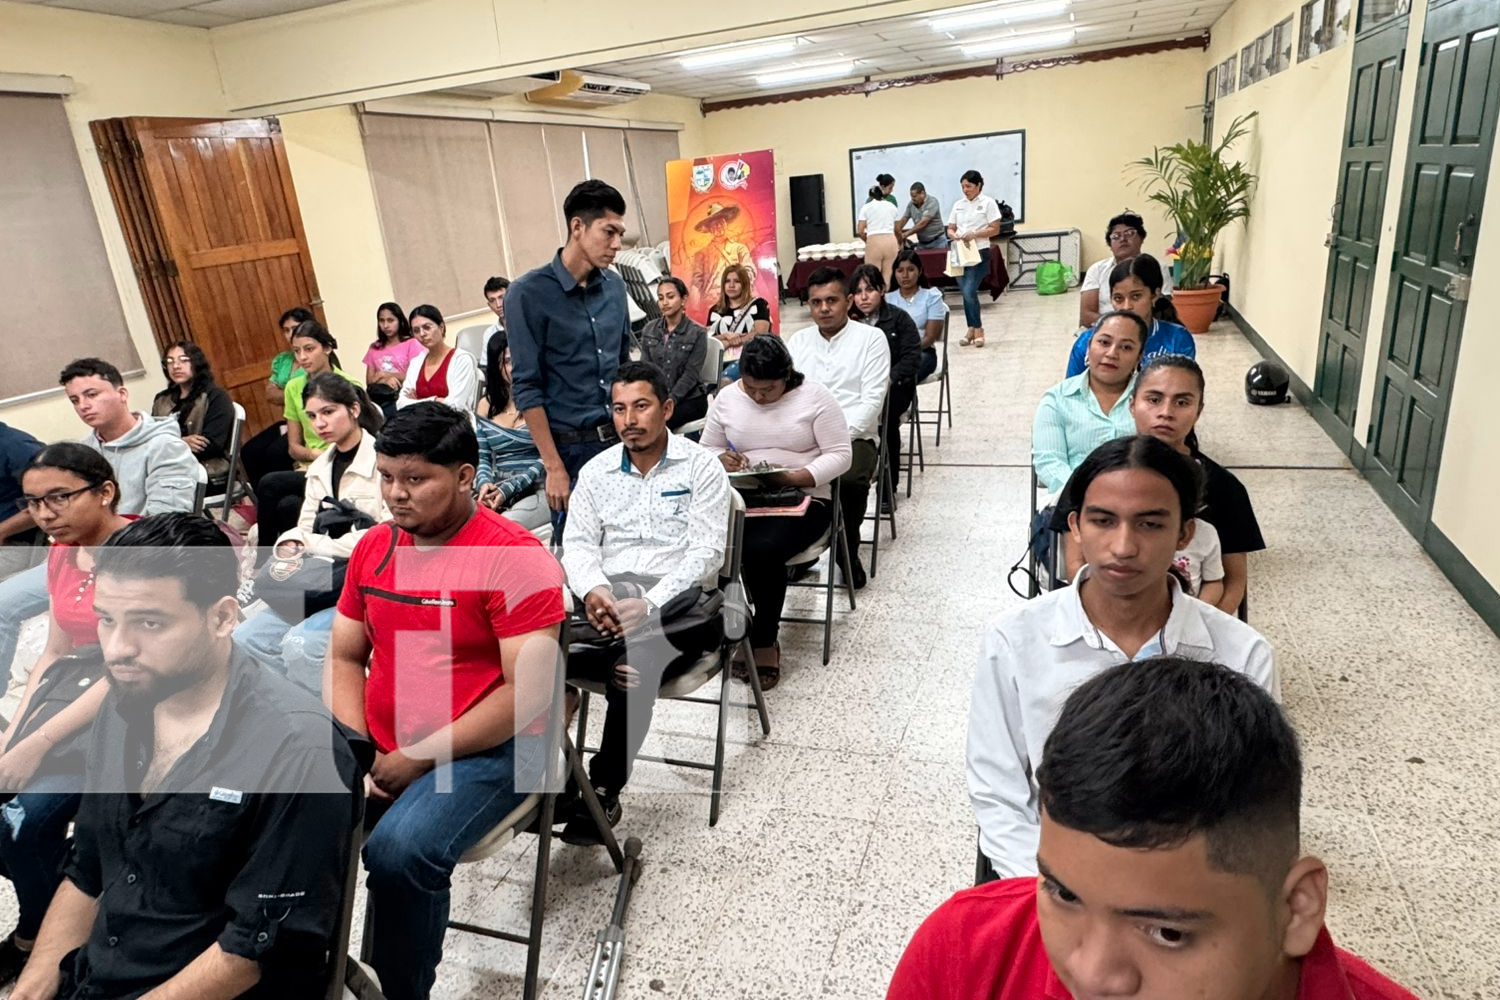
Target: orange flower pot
x,y
1197,307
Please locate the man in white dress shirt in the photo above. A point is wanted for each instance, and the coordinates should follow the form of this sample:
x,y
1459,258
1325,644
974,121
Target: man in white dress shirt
x,y
647,525
853,361
1133,499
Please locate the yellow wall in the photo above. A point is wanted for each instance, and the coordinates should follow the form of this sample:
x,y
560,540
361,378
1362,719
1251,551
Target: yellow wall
x,y
1079,136
327,158
1469,476
120,67
1276,261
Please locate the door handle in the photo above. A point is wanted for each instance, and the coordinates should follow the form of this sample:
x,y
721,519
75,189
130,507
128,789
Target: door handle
x,y
1458,241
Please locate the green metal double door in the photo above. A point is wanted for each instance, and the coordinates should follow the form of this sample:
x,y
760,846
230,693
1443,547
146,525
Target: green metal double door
x,y
1444,178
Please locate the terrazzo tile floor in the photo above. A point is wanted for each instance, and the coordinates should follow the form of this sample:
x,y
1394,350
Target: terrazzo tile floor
x,y
850,822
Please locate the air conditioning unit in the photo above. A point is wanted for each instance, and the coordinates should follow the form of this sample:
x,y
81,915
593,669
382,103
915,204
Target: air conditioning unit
x,y
502,88
583,90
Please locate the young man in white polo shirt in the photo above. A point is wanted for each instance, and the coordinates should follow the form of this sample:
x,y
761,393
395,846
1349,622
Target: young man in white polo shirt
x,y
853,361
647,525
1133,499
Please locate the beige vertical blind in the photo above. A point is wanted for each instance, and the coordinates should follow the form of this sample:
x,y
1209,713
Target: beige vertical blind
x,y
434,169
650,150
435,188
533,219
54,273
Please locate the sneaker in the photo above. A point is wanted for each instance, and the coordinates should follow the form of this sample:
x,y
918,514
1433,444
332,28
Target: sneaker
x,y
12,959
581,831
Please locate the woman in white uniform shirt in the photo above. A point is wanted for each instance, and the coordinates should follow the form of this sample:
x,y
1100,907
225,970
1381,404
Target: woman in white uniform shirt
x,y
975,219
877,227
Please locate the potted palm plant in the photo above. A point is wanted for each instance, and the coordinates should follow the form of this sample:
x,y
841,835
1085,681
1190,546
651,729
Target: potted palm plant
x,y
1204,194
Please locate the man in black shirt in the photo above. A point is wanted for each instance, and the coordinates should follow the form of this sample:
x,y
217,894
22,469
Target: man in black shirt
x,y
223,798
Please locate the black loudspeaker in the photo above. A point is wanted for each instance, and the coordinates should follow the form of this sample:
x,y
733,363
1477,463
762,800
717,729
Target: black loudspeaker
x,y
810,233
807,199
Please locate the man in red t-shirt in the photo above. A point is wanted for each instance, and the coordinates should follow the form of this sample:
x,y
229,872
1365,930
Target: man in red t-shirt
x,y
456,612
1169,860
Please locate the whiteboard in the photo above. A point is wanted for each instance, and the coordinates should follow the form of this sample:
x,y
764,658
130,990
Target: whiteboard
x,y
939,163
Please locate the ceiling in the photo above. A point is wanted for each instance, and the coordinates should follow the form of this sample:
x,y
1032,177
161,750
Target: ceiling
x,y
909,44
194,13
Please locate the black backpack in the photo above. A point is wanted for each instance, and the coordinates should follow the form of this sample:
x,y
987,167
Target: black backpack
x,y
1007,221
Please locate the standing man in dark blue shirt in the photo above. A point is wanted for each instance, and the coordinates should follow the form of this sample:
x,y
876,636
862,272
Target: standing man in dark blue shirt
x,y
569,330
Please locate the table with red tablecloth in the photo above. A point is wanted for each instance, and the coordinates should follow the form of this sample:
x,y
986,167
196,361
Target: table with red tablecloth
x,y
934,265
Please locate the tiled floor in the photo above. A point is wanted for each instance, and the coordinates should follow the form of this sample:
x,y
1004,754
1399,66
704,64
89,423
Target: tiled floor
x,y
850,822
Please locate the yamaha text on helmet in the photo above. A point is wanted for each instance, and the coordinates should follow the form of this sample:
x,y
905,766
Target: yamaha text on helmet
x,y
1267,383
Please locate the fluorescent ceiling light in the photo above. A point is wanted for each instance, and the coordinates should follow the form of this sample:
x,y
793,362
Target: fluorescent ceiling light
x,y
1012,13
802,74
730,55
1035,41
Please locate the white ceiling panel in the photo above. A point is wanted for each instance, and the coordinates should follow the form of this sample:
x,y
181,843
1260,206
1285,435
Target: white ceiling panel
x,y
909,44
194,13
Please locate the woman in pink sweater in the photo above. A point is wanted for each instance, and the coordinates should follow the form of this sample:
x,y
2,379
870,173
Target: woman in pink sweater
x,y
771,415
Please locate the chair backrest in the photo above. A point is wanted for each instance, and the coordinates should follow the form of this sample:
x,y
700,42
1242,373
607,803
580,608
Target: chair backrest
x,y
713,362
473,340
200,490
235,436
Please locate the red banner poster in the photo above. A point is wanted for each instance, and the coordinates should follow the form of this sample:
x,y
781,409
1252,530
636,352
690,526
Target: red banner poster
x,y
721,212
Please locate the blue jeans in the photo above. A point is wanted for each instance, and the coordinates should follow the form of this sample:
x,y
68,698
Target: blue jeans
x,y
732,370
938,242
968,283
574,457
928,364
295,651
33,844
23,596
415,846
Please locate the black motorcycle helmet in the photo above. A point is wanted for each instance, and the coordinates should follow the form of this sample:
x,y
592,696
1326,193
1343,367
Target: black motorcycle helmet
x,y
1267,383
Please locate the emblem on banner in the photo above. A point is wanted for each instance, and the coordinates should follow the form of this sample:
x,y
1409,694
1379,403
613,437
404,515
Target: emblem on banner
x,y
735,174
703,177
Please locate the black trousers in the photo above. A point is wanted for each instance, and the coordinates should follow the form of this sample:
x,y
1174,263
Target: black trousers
x,y
278,504
854,493
656,658
688,410
264,454
769,543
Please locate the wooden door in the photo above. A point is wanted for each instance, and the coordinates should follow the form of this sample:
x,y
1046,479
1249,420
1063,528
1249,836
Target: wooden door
x,y
1453,134
235,248
1355,240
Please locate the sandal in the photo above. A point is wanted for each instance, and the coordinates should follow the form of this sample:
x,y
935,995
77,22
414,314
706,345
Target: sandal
x,y
770,673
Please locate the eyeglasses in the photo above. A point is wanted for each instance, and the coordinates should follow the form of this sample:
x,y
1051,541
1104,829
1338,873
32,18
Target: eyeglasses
x,y
1121,235
55,502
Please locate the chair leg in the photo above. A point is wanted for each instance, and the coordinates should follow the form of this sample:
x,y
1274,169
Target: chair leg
x,y
947,399
718,783
583,718
539,898
760,696
828,595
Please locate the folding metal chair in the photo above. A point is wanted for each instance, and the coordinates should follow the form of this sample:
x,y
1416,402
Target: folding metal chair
x,y
236,483
885,497
918,417
714,663
1057,571
838,555
713,367
534,815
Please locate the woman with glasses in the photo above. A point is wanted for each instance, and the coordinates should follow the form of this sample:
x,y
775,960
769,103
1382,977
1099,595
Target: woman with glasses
x,y
1124,235
204,411
71,493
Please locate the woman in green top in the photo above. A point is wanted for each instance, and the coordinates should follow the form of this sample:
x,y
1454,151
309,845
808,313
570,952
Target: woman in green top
x,y
266,452
314,349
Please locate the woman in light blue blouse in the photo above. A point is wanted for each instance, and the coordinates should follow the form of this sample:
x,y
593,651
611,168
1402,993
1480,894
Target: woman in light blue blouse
x,y
1080,413
510,467
924,305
